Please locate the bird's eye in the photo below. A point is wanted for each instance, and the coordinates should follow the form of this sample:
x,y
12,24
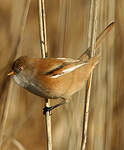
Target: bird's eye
x,y
18,69
18,65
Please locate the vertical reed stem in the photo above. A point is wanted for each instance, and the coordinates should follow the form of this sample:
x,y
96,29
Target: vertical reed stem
x,y
43,43
42,28
92,44
16,47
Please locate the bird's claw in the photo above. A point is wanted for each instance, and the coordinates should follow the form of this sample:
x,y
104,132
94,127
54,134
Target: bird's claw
x,y
47,109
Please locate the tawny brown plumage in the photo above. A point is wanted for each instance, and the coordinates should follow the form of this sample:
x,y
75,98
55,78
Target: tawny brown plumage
x,y
52,77
55,77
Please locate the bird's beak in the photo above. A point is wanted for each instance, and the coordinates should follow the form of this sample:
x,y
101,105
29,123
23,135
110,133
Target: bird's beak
x,y
11,73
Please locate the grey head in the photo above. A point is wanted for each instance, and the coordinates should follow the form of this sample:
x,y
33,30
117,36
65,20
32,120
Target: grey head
x,y
19,69
23,69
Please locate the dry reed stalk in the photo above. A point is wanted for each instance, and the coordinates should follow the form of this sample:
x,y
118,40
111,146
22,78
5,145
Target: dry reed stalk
x,y
16,47
44,52
18,144
92,44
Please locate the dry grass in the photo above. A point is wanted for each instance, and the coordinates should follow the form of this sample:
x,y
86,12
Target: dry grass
x,y
67,32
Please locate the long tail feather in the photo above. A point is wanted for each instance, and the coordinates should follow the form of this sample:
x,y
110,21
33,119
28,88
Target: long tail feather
x,y
103,34
95,60
87,54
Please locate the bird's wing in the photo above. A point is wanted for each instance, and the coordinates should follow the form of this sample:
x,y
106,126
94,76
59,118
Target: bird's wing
x,y
65,69
57,67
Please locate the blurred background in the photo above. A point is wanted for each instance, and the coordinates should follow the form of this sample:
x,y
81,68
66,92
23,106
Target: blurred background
x,y
22,124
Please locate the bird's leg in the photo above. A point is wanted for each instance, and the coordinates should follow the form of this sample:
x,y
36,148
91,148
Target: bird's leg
x,y
45,109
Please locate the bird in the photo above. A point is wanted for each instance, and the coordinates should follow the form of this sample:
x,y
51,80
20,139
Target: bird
x,y
53,78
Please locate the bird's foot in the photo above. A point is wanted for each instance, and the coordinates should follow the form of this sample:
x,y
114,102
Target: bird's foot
x,y
47,109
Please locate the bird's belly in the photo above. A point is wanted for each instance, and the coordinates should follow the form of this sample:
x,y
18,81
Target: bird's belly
x,y
33,87
40,91
61,87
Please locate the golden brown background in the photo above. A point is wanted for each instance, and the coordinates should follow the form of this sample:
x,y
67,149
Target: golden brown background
x,y
22,124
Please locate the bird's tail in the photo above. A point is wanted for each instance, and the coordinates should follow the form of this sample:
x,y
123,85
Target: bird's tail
x,y
93,61
87,54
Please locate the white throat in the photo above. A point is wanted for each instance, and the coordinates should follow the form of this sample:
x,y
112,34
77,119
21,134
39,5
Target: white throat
x,y
18,81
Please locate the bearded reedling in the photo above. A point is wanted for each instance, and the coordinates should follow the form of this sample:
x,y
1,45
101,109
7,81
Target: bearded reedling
x,y
53,78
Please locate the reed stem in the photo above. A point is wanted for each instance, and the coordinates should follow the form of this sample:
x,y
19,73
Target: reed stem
x,y
92,44
44,53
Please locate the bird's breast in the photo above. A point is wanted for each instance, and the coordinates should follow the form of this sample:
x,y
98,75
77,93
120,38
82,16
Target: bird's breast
x,y
34,87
